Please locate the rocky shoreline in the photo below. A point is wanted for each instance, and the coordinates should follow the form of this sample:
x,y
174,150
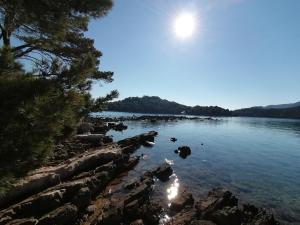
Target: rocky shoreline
x,y
151,118
85,182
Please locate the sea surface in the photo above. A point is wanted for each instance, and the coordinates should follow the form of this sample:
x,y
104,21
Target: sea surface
x,y
258,159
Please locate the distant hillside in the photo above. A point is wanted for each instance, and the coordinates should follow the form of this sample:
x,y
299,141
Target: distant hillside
x,y
157,105
153,104
269,112
283,106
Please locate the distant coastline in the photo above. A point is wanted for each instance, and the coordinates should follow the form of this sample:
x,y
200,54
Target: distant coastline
x,y
156,105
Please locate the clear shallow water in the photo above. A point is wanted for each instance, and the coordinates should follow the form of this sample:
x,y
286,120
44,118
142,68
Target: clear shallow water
x,y
258,159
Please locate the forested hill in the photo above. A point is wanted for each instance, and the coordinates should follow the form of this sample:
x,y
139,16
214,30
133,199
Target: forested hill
x,y
153,104
293,113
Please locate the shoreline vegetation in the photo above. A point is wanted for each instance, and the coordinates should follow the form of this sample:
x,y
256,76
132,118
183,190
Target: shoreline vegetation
x,y
86,182
156,105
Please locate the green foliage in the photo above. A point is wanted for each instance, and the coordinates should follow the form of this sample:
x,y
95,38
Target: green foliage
x,y
42,104
52,39
34,114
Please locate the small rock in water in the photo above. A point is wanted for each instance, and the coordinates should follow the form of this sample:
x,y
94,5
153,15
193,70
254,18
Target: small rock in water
x,y
173,139
183,151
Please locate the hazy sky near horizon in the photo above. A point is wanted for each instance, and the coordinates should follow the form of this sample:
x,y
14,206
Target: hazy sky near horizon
x,y
243,52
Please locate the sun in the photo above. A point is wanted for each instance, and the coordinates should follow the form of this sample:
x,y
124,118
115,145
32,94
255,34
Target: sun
x,y
184,25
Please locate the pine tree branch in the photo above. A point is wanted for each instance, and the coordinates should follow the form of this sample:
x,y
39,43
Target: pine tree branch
x,y
23,53
21,47
2,31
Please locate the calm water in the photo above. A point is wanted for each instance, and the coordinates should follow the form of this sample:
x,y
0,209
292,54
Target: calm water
x,y
258,159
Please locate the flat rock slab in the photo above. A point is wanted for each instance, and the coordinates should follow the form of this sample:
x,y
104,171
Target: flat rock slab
x,y
46,177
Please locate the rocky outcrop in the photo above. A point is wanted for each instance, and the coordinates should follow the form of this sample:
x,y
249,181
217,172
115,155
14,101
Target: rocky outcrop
x,y
129,145
91,188
47,177
220,207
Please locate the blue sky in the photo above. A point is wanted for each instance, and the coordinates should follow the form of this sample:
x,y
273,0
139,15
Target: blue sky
x,y
243,53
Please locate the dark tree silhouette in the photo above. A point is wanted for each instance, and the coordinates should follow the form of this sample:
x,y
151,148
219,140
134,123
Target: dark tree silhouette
x,y
47,67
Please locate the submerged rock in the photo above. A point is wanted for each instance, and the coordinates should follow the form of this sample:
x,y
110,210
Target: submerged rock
x,y
163,172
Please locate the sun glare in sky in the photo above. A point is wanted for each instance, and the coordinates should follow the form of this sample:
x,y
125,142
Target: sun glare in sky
x,y
184,25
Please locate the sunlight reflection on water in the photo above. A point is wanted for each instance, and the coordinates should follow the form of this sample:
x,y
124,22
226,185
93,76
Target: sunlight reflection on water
x,y
172,191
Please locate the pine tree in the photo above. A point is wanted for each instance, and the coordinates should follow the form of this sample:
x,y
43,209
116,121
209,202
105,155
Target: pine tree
x,y
41,104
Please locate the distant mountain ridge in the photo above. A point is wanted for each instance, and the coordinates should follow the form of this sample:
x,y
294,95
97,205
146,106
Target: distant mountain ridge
x,y
283,106
156,105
